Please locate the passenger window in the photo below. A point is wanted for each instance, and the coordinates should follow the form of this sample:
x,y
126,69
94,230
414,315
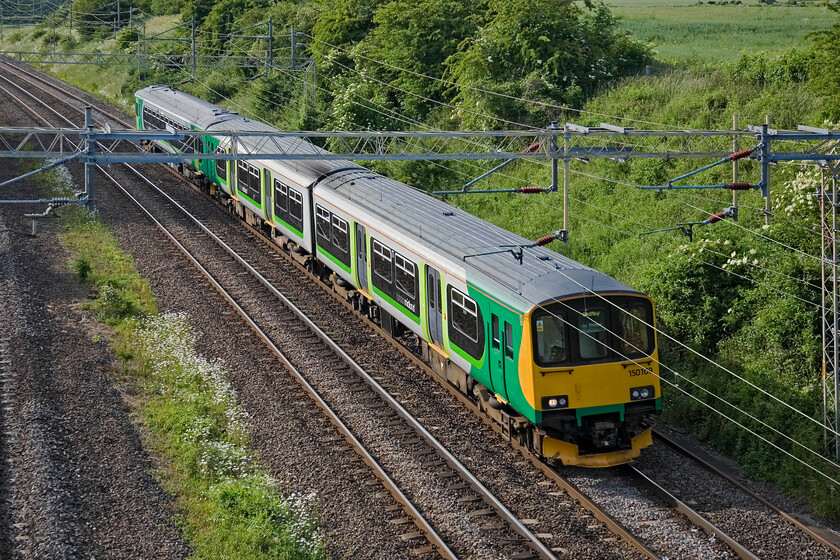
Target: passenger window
x,y
406,275
341,240
593,334
464,315
322,223
281,198
255,182
221,165
295,205
242,175
495,329
248,180
382,262
430,289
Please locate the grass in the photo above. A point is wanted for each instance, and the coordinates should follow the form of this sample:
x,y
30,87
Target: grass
x,y
228,504
686,32
233,507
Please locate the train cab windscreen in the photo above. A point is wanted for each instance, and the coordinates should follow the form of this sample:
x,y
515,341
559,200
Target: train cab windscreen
x,y
592,330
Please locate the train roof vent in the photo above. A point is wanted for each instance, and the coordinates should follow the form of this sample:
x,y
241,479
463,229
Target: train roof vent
x,y
449,213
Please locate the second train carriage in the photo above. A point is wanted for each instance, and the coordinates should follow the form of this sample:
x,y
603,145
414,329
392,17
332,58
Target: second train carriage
x,y
564,357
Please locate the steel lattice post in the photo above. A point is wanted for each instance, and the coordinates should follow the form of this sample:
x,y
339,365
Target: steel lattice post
x,y
90,165
830,317
836,318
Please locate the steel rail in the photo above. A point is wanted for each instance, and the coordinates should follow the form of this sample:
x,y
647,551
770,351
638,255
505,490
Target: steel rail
x,y
718,472
615,526
37,78
611,523
450,459
388,483
711,529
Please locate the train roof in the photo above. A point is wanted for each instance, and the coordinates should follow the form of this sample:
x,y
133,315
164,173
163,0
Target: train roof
x,y
202,114
543,275
206,116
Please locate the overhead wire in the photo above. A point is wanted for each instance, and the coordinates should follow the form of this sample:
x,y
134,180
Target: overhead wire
x,y
481,90
729,371
698,354
418,123
685,378
679,343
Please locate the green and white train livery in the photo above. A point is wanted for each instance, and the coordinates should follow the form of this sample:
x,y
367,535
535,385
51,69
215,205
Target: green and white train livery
x,y
563,356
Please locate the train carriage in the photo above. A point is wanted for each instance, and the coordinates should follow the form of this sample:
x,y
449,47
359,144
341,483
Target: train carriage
x,y
564,357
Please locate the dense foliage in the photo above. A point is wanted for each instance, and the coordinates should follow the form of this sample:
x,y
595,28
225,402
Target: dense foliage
x,y
404,64
539,54
825,79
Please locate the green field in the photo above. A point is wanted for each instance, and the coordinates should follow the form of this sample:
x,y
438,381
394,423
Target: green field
x,y
685,32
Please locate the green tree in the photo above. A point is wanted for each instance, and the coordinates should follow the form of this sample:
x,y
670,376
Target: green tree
x,y
343,24
411,41
545,51
100,15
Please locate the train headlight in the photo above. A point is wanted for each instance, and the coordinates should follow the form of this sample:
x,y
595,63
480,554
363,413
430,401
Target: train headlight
x,y
642,393
555,402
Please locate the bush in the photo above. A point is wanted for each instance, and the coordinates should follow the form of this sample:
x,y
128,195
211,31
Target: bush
x,y
82,268
762,68
67,43
825,80
545,52
128,38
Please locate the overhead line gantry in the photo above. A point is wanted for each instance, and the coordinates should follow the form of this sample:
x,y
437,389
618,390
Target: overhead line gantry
x,y
806,145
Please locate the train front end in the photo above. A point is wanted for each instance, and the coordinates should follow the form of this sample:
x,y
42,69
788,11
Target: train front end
x,y
593,377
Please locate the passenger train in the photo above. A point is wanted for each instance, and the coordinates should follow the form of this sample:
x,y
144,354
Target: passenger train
x,y
562,356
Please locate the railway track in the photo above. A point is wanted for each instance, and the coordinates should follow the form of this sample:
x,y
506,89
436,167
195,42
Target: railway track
x,y
809,540
440,465
246,296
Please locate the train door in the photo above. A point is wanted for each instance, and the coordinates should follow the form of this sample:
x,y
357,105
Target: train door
x,y
508,364
268,206
361,257
497,357
434,305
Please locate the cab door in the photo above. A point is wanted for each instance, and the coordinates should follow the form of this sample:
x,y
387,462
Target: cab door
x,y
497,357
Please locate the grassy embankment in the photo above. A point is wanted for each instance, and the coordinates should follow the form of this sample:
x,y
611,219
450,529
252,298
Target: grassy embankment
x,y
743,299
227,504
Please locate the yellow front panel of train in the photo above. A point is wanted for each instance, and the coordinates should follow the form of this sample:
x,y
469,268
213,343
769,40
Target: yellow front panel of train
x,y
585,384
